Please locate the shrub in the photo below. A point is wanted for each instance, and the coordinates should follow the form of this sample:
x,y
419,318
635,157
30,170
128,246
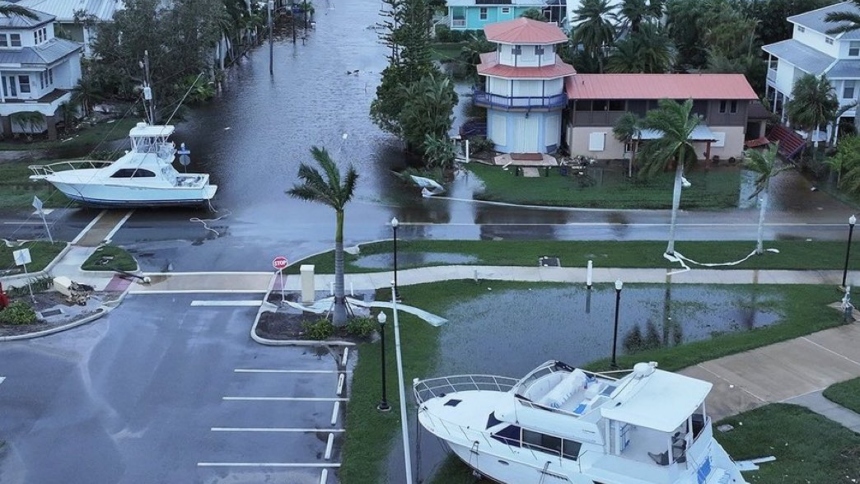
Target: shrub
x,y
18,313
477,145
319,329
361,327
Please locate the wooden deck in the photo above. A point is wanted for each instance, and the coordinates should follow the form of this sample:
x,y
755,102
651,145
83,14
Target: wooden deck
x,y
525,159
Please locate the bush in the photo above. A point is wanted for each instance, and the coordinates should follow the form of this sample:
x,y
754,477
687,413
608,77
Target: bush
x,y
361,327
18,313
445,34
319,329
477,145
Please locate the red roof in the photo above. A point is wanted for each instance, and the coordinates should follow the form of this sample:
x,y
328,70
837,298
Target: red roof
x,y
659,86
524,31
490,66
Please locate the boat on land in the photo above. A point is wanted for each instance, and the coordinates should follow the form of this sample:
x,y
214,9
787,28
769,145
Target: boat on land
x,y
143,177
560,424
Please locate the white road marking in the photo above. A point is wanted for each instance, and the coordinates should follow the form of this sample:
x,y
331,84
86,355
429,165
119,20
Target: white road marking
x,y
244,303
90,225
119,225
328,446
197,291
264,370
2,378
285,399
315,465
334,413
271,429
23,223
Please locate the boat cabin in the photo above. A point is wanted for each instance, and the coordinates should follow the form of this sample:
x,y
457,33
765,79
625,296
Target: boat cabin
x,y
146,138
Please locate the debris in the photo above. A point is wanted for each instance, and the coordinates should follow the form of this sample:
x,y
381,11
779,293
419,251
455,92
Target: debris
x,y
725,428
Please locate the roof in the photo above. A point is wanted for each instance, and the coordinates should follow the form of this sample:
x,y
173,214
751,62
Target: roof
x,y
147,130
661,401
756,110
490,66
700,133
800,55
659,86
14,21
844,69
44,54
65,10
814,19
524,31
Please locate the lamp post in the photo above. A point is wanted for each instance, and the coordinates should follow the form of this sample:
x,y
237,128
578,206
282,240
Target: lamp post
x,y
851,221
618,286
383,404
271,6
394,224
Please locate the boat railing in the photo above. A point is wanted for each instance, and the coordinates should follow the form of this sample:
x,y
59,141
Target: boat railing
x,y
50,169
437,387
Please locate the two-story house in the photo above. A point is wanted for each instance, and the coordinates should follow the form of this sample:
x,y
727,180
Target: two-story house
x,y
477,14
37,72
811,50
66,23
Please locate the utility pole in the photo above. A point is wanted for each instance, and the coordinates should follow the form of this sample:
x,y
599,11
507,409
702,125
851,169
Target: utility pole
x,y
271,40
147,89
293,20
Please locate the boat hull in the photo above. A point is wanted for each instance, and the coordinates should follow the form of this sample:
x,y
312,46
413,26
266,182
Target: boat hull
x,y
135,197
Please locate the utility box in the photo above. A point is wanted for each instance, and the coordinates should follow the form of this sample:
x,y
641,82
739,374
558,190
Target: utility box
x,y
63,285
308,289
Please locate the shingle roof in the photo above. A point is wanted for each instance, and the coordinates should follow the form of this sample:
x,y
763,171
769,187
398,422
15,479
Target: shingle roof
x,y
844,69
490,66
814,19
47,53
65,10
524,31
18,22
659,86
800,55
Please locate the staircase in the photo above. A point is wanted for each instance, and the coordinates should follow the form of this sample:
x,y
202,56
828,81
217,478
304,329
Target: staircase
x,y
790,143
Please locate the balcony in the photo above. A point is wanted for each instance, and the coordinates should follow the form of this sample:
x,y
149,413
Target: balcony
x,y
458,22
771,75
517,103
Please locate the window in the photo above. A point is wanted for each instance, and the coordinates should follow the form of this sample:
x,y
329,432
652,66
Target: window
x,y
133,173
10,87
733,107
848,90
15,40
829,40
616,105
628,147
483,13
506,10
723,106
517,50
801,29
40,35
541,442
600,105
582,105
24,82
538,50
853,49
570,449
4,40
46,78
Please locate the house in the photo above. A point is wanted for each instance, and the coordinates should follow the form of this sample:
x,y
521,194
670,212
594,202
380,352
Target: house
x,y
811,50
523,88
37,72
598,100
477,14
66,23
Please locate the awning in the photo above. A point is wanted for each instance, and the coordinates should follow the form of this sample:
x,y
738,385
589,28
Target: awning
x,y
700,133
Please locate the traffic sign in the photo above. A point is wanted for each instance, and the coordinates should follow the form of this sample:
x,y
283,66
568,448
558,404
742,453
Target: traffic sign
x,y
280,262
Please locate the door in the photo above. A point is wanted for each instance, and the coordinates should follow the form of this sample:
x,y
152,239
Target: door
x,y
527,135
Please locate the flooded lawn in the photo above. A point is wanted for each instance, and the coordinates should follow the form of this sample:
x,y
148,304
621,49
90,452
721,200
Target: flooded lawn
x,y
412,259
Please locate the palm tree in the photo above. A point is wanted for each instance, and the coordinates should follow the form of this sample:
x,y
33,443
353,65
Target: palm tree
x,y
650,50
635,12
334,189
813,103
9,9
850,21
676,122
534,14
765,164
626,130
593,28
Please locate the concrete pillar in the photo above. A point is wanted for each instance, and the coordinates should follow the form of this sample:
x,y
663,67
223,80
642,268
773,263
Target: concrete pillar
x,y
51,121
308,289
7,127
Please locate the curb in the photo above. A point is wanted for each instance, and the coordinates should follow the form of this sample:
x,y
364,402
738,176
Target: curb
x,y
285,342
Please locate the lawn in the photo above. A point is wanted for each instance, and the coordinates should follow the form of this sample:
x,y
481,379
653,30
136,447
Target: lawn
x,y
369,433
846,394
444,51
110,258
41,252
609,188
89,136
17,190
794,254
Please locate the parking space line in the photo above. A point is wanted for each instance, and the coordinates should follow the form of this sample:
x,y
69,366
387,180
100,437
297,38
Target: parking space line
x,y
315,465
285,399
249,303
271,429
264,370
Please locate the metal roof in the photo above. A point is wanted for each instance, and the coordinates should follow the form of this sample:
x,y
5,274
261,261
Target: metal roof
x,y
14,21
44,54
814,19
659,86
65,10
800,55
490,66
845,69
524,31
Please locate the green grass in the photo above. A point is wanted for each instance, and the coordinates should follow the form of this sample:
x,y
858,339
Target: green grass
x,y
846,394
17,190
41,252
808,447
794,254
88,136
444,51
370,434
710,190
122,260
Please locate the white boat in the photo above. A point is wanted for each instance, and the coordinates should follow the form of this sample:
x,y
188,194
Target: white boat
x,y
559,424
143,177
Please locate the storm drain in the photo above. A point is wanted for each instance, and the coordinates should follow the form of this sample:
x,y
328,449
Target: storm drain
x,y
50,312
549,261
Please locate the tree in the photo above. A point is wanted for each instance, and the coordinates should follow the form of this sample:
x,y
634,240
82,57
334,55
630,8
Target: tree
x,y
676,122
534,14
427,108
10,9
848,21
765,165
626,130
846,163
649,50
635,12
593,28
813,103
334,189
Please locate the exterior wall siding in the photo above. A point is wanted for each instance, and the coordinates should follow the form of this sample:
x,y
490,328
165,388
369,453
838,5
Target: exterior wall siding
x,y
472,15
507,139
817,41
578,139
784,77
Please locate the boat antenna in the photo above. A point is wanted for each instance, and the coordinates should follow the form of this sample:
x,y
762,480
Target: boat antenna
x,y
149,104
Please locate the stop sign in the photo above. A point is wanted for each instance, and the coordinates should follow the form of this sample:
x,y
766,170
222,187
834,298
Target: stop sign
x,y
279,262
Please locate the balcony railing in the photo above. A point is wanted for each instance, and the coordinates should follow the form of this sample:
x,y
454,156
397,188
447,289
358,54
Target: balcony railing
x,y
458,22
771,74
488,100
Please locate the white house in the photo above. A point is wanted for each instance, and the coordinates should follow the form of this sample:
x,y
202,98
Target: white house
x,y
811,50
65,10
37,71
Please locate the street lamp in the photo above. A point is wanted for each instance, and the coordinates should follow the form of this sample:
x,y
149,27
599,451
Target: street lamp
x,y
383,405
618,286
851,221
394,224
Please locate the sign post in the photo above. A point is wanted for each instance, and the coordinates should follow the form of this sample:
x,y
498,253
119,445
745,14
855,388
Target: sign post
x,y
280,263
22,258
37,204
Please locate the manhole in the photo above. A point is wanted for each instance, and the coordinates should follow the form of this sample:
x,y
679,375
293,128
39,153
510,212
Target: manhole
x,y
50,312
549,261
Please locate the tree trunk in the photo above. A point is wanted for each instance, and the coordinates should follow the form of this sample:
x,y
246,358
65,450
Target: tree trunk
x,y
676,202
759,248
632,158
339,314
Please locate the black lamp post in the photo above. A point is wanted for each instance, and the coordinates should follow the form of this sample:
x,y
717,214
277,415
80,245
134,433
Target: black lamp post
x,y
394,224
383,404
851,221
618,286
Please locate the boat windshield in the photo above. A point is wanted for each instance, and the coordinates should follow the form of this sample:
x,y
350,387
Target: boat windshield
x,y
148,144
548,368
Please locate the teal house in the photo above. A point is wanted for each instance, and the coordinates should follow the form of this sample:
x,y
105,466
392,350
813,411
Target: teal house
x,y
476,14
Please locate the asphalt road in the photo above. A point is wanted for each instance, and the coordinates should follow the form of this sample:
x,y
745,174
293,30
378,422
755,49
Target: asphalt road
x,y
135,397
